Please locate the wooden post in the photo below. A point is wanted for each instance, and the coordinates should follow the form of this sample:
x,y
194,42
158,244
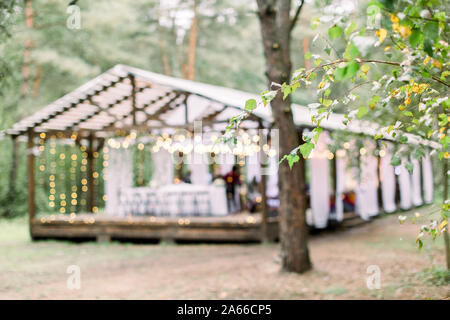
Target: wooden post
x,y
31,186
446,237
133,98
264,209
334,181
90,174
379,192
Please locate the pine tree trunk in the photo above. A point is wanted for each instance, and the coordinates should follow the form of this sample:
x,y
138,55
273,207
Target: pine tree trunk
x,y
29,16
192,44
275,28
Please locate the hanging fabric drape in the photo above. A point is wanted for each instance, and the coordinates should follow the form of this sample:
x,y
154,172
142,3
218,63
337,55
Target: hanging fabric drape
x,y
366,191
427,173
320,183
387,176
340,184
163,168
416,185
272,178
253,168
119,173
226,162
199,171
404,181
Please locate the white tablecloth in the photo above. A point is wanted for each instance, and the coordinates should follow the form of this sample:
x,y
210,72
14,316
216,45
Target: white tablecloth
x,y
174,200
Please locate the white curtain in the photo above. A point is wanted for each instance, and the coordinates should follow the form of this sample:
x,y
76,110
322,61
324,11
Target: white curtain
x,y
119,175
199,171
416,184
340,186
162,168
427,171
253,168
388,184
272,178
366,191
320,183
404,181
226,162
320,191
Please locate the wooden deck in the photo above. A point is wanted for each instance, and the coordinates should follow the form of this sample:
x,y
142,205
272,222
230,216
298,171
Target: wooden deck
x,y
243,227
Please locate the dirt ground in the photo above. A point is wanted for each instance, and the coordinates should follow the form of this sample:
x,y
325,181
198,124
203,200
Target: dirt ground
x,y
223,271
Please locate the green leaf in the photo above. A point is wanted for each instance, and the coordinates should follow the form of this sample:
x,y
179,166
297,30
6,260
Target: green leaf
x,y
361,112
351,51
317,131
268,96
326,102
409,166
350,29
373,101
335,32
352,68
428,47
396,161
292,158
250,105
415,37
408,114
308,55
403,139
340,73
431,30
305,149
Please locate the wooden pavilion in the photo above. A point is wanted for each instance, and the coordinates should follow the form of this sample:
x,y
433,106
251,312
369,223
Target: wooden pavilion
x,y
126,101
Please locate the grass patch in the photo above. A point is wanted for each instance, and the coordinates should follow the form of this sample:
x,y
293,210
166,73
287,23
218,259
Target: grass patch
x,y
435,276
335,290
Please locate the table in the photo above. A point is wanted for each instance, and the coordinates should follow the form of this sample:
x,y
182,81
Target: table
x,y
174,200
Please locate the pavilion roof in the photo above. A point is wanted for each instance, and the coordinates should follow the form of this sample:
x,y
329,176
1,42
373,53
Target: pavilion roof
x,y
126,98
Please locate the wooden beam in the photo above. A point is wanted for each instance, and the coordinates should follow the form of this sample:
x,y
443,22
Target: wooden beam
x,y
110,125
73,104
166,108
31,182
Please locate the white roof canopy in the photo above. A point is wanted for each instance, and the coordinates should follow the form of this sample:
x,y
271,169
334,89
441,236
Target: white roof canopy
x,y
125,98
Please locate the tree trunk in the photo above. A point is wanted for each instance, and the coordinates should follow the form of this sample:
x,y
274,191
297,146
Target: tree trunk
x,y
29,15
275,29
192,45
163,49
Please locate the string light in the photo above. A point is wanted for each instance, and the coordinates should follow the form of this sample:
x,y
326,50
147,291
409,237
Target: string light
x,y
51,177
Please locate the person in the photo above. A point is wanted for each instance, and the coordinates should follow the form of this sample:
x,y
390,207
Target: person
x,y
254,195
232,180
187,177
